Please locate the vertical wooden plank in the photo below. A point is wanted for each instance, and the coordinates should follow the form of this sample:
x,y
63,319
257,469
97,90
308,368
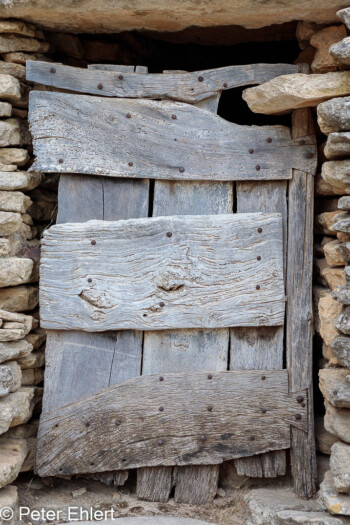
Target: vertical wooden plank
x,y
81,364
260,348
299,310
181,350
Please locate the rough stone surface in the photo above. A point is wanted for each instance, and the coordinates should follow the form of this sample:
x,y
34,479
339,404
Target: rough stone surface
x,y
13,453
32,376
339,463
324,439
333,254
328,310
10,43
337,421
335,503
344,15
14,350
337,145
14,271
334,115
17,156
335,386
329,355
337,174
33,360
15,70
329,277
19,180
16,408
323,61
344,203
10,88
299,517
9,498
10,222
19,298
5,109
340,52
14,201
10,378
325,221
341,349
343,322
322,188
342,294
295,91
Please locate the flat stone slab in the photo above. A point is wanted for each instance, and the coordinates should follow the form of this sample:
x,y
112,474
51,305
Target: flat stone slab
x,y
161,520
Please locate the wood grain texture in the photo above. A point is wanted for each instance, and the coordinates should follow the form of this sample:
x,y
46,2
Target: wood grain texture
x,y
190,480
117,138
205,275
125,426
186,87
154,484
263,347
299,327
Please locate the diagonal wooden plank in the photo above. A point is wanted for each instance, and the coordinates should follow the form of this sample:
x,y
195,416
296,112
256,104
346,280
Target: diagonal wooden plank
x,y
136,423
187,87
197,271
157,139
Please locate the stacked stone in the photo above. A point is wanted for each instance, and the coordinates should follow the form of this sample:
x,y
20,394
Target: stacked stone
x,y
21,339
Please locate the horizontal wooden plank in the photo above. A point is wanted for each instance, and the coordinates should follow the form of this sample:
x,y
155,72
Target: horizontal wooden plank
x,y
156,139
187,87
200,271
173,419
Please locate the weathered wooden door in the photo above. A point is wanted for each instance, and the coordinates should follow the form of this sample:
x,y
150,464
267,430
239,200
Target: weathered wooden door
x,y
166,313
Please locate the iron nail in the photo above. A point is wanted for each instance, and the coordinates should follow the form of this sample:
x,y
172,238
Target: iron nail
x,y
263,378
259,230
263,410
200,79
258,258
309,155
203,438
257,167
174,117
169,234
161,409
161,304
269,140
258,287
210,376
130,164
120,77
303,405
87,424
225,84
128,115
53,70
298,417
251,438
209,408
60,161
251,151
100,86
89,280
93,242
160,441
118,423
161,378
302,142
181,170
300,399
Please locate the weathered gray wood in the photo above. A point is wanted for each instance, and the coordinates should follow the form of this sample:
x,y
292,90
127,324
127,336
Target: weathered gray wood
x,y
80,198
191,143
299,330
120,68
154,484
165,272
187,87
189,481
259,348
136,423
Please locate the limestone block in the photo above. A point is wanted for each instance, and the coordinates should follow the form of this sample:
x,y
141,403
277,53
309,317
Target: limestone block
x,y
36,338
342,294
340,466
343,322
10,377
10,89
32,360
337,421
17,156
32,376
29,461
322,188
8,167
343,237
337,174
334,384
20,180
15,270
18,57
325,221
10,43
9,499
337,145
344,15
305,31
334,115
294,91
16,408
13,453
329,277
341,349
344,203
324,439
330,356
14,201
14,350
15,70
10,222
299,517
5,109
328,310
333,254
322,40
19,298
17,27
10,132
28,430
340,52
335,503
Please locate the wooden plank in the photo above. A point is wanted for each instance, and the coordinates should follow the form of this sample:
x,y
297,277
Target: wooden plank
x,y
187,87
192,143
299,330
189,481
154,484
162,273
136,423
260,348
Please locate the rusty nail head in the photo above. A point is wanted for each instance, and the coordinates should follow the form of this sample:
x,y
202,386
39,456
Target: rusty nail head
x,y
203,438
251,438
169,234
200,79
128,115
303,405
210,376
309,155
87,424
130,164
263,378
300,399
259,230
257,167
258,258
258,287
60,161
161,378
89,280
93,242
210,408
181,170
298,417
225,84
118,423
161,304
160,441
302,143
174,117
269,140
120,77
263,410
161,409
251,151
53,70
100,86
